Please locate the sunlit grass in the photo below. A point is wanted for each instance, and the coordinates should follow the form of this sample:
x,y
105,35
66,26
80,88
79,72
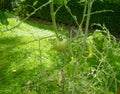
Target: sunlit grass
x,y
20,63
31,66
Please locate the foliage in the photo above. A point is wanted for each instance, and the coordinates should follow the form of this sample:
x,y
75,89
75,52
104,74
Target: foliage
x,y
3,18
81,64
39,68
25,7
5,5
108,18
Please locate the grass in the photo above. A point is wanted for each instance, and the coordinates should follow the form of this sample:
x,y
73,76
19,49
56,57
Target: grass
x,y
19,64
30,65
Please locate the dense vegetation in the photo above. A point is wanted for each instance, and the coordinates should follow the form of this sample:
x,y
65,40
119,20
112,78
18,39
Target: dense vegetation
x,y
47,59
110,19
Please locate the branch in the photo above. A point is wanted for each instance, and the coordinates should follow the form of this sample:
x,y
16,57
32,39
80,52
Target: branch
x,y
24,43
28,16
58,9
74,17
100,12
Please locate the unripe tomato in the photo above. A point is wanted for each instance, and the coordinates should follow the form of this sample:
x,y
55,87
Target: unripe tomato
x,y
60,45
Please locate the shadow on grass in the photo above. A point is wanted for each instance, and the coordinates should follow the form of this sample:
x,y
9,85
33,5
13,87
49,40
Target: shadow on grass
x,y
10,54
40,24
18,64
10,40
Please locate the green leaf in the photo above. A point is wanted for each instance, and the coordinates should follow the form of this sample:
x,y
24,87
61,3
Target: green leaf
x,y
110,93
81,1
3,18
9,15
35,2
4,22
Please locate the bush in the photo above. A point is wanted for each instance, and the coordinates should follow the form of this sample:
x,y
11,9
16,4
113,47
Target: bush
x,y
90,66
110,19
5,5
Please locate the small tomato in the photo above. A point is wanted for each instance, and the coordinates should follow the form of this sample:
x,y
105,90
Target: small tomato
x,y
60,45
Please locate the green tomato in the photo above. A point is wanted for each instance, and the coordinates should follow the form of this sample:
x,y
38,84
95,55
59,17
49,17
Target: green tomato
x,y
60,45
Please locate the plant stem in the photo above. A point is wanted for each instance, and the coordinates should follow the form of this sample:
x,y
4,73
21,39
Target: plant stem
x,y
74,17
32,13
40,53
83,17
89,4
53,17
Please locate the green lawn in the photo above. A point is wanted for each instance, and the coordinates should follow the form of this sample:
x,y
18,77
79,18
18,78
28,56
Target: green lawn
x,y
20,58
29,64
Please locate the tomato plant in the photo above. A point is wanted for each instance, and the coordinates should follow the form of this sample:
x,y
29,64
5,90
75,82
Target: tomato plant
x,y
60,45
